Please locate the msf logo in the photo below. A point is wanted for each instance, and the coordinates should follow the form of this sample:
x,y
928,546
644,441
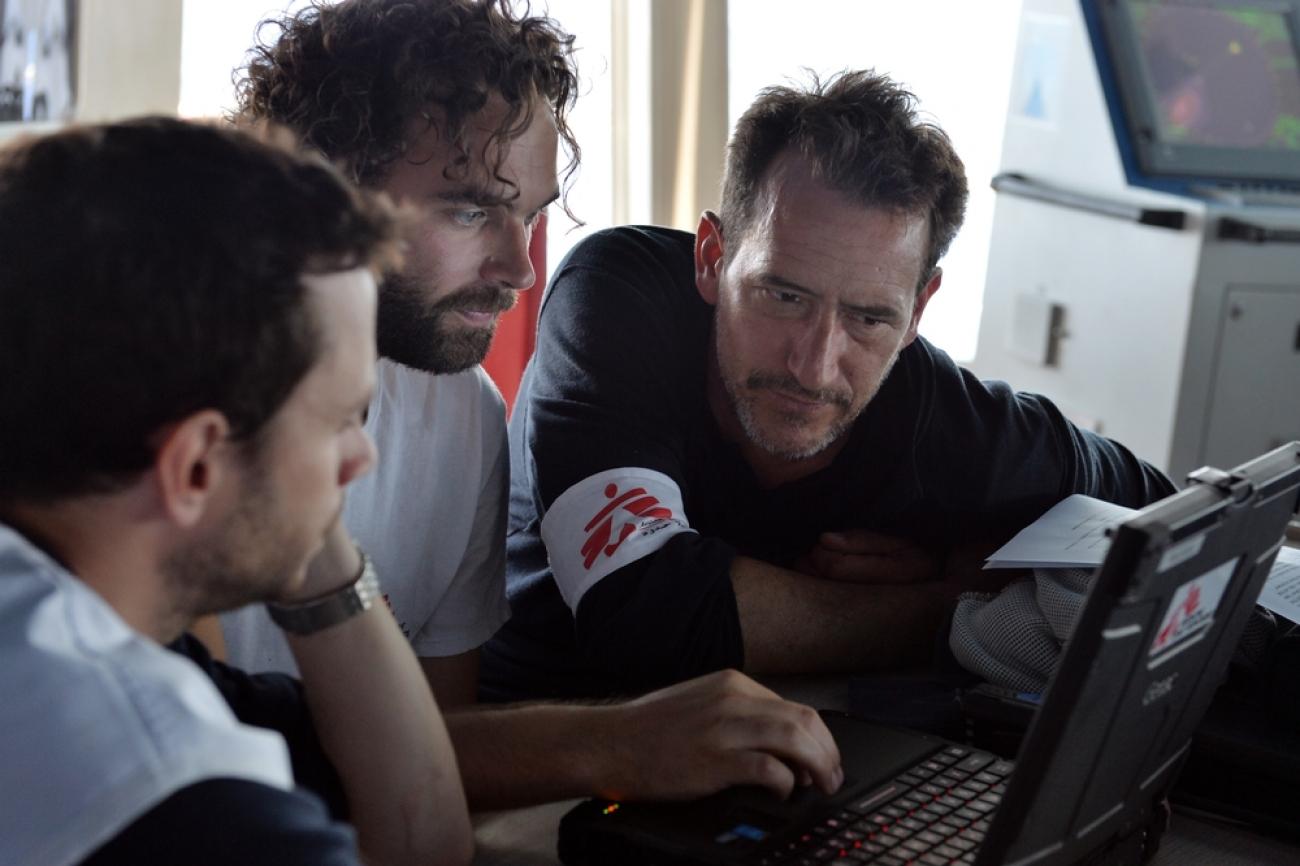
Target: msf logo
x,y
1158,690
1180,618
628,509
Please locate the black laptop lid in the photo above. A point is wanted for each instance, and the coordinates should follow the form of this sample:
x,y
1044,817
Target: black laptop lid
x,y
1151,646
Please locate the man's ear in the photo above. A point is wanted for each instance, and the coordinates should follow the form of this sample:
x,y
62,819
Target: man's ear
x,y
191,462
708,256
922,298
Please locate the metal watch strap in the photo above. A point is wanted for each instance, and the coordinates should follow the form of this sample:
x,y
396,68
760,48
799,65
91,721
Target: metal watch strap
x,y
342,604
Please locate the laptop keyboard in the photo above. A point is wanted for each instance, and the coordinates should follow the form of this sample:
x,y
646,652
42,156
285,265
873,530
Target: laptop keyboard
x,y
934,814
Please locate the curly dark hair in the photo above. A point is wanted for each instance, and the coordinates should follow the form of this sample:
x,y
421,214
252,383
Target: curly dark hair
x,y
151,269
861,134
351,77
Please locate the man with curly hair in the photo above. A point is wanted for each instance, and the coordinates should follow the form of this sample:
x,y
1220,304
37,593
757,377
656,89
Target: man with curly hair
x,y
455,108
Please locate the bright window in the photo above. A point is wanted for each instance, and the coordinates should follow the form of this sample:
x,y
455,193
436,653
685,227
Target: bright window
x,y
215,36
956,55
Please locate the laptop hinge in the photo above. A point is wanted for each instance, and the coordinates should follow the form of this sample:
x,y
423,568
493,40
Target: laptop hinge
x,y
1236,485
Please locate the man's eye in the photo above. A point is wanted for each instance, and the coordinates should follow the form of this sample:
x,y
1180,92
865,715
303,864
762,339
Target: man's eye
x,y
785,297
468,217
864,324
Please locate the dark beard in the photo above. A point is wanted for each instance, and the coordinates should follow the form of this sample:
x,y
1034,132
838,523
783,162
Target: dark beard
x,y
417,334
743,408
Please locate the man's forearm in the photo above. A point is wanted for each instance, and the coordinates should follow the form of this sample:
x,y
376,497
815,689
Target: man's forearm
x,y
793,623
378,723
525,754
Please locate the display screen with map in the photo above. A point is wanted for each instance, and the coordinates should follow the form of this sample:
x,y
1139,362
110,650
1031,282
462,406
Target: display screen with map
x,y
1225,77
1210,88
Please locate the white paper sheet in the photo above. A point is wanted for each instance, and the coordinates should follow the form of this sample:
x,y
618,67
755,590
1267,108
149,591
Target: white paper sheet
x,y
1281,593
1073,535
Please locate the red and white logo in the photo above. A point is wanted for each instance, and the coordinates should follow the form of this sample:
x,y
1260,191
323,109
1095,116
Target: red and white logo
x,y
606,521
1183,614
636,502
1191,611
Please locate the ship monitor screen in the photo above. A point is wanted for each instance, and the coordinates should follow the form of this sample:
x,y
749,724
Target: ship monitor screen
x,y
1210,89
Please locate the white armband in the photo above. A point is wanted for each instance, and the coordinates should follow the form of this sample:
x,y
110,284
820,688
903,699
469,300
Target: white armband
x,y
606,521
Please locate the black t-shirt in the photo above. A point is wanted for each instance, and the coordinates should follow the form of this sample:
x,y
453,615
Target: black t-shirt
x,y
618,380
218,822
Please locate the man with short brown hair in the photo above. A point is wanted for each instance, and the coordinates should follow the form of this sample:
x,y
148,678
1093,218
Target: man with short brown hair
x,y
733,450
188,348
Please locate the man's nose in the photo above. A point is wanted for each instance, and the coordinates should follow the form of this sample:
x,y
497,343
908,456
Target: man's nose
x,y
509,263
360,458
814,358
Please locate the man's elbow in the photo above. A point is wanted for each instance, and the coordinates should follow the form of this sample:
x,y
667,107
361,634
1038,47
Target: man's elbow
x,y
433,842
452,842
430,829
458,851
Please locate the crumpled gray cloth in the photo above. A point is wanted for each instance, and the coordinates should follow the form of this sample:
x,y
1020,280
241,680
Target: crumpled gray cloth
x,y
1014,638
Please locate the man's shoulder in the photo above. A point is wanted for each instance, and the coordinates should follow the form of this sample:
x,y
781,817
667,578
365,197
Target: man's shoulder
x,y
922,354
625,280
474,390
922,366
927,372
158,723
624,245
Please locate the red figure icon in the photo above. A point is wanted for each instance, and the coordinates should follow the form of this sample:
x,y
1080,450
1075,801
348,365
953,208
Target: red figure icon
x,y
1180,615
636,502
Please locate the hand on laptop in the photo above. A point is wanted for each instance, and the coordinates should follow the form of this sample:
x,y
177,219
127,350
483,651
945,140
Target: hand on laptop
x,y
862,556
718,730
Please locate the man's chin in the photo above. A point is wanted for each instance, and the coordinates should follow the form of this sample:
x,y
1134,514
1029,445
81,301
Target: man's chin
x,y
449,351
793,450
462,348
790,437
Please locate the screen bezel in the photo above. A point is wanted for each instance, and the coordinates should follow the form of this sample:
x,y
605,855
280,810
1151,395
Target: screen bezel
x,y
1136,122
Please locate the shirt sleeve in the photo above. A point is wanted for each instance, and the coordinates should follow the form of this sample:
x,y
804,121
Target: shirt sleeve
x,y
666,618
605,389
614,386
474,605
992,459
218,822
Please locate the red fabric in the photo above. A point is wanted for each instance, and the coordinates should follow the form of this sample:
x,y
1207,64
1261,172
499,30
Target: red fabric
x,y
517,330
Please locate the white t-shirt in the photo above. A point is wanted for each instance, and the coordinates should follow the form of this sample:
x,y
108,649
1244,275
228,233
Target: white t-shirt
x,y
100,723
431,516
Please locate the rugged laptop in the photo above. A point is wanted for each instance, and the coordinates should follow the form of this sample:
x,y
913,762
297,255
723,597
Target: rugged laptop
x,y
1151,645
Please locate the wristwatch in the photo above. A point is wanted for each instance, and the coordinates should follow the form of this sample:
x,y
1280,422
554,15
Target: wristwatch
x,y
321,613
